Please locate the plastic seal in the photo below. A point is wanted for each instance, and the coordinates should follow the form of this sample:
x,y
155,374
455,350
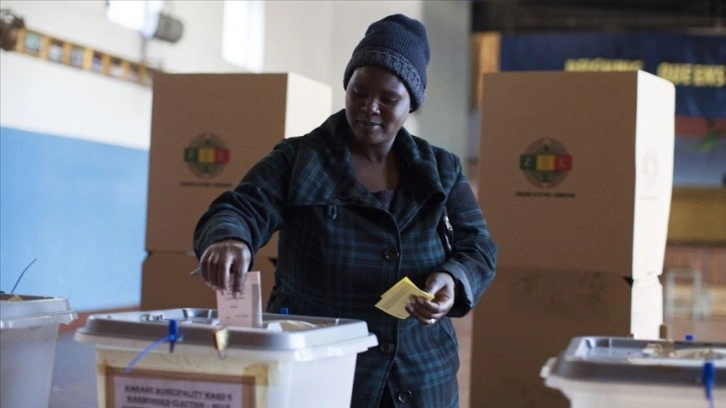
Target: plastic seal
x,y
172,337
708,377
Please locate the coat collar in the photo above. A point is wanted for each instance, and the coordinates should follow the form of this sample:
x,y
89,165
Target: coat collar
x,y
334,180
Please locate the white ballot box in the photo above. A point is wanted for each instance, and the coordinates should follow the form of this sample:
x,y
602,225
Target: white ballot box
x,y
292,361
28,334
610,372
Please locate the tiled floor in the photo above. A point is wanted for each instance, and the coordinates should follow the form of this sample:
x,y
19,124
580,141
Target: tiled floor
x,y
74,372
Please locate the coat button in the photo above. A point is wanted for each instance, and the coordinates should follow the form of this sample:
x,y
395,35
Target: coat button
x,y
404,396
390,254
387,348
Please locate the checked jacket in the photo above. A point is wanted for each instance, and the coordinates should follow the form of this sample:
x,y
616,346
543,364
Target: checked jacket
x,y
339,249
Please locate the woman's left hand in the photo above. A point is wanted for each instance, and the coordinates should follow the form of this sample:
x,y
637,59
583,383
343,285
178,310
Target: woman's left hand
x,y
428,312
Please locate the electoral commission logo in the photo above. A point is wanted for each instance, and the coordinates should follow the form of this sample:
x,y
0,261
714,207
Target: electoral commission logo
x,y
206,155
545,163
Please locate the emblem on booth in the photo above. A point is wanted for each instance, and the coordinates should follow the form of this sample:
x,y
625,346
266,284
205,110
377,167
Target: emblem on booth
x,y
545,163
206,155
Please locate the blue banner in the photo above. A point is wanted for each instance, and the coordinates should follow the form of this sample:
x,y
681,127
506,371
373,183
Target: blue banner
x,y
696,65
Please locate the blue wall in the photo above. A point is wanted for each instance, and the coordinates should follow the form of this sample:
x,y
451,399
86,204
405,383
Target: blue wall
x,y
78,207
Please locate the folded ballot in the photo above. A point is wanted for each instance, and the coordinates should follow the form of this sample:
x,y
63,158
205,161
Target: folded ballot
x,y
395,299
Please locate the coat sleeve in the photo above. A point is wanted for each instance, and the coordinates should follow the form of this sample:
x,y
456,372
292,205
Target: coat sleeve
x,y
252,211
473,258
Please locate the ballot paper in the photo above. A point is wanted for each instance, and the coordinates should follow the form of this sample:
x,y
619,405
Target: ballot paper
x,y
395,299
243,311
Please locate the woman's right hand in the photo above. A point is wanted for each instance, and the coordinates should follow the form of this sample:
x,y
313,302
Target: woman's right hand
x,y
224,265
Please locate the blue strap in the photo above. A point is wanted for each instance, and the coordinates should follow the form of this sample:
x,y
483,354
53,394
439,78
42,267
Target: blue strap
x,y
172,337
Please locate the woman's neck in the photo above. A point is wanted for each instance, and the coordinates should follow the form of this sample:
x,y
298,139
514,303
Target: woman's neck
x,y
376,171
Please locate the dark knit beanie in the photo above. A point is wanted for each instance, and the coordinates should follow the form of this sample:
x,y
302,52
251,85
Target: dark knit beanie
x,y
398,44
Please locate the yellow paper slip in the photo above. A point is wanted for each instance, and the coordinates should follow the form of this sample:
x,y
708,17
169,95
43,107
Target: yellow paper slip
x,y
395,299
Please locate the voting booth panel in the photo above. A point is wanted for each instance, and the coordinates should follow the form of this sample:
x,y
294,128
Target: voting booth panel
x,y
207,131
575,178
527,315
576,169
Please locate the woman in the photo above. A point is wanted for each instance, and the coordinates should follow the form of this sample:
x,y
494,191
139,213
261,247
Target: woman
x,y
360,203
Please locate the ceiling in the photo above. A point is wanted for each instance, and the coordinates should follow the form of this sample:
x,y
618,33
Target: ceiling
x,y
516,16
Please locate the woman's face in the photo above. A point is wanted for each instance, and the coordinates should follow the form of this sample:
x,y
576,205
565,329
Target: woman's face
x,y
377,104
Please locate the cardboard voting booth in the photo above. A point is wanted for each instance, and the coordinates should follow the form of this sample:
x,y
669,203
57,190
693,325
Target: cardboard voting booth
x,y
575,178
207,131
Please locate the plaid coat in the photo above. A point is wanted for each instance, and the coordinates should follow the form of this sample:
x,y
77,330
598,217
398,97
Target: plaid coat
x,y
340,248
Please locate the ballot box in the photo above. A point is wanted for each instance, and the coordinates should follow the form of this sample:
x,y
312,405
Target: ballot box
x,y
28,334
616,372
184,357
